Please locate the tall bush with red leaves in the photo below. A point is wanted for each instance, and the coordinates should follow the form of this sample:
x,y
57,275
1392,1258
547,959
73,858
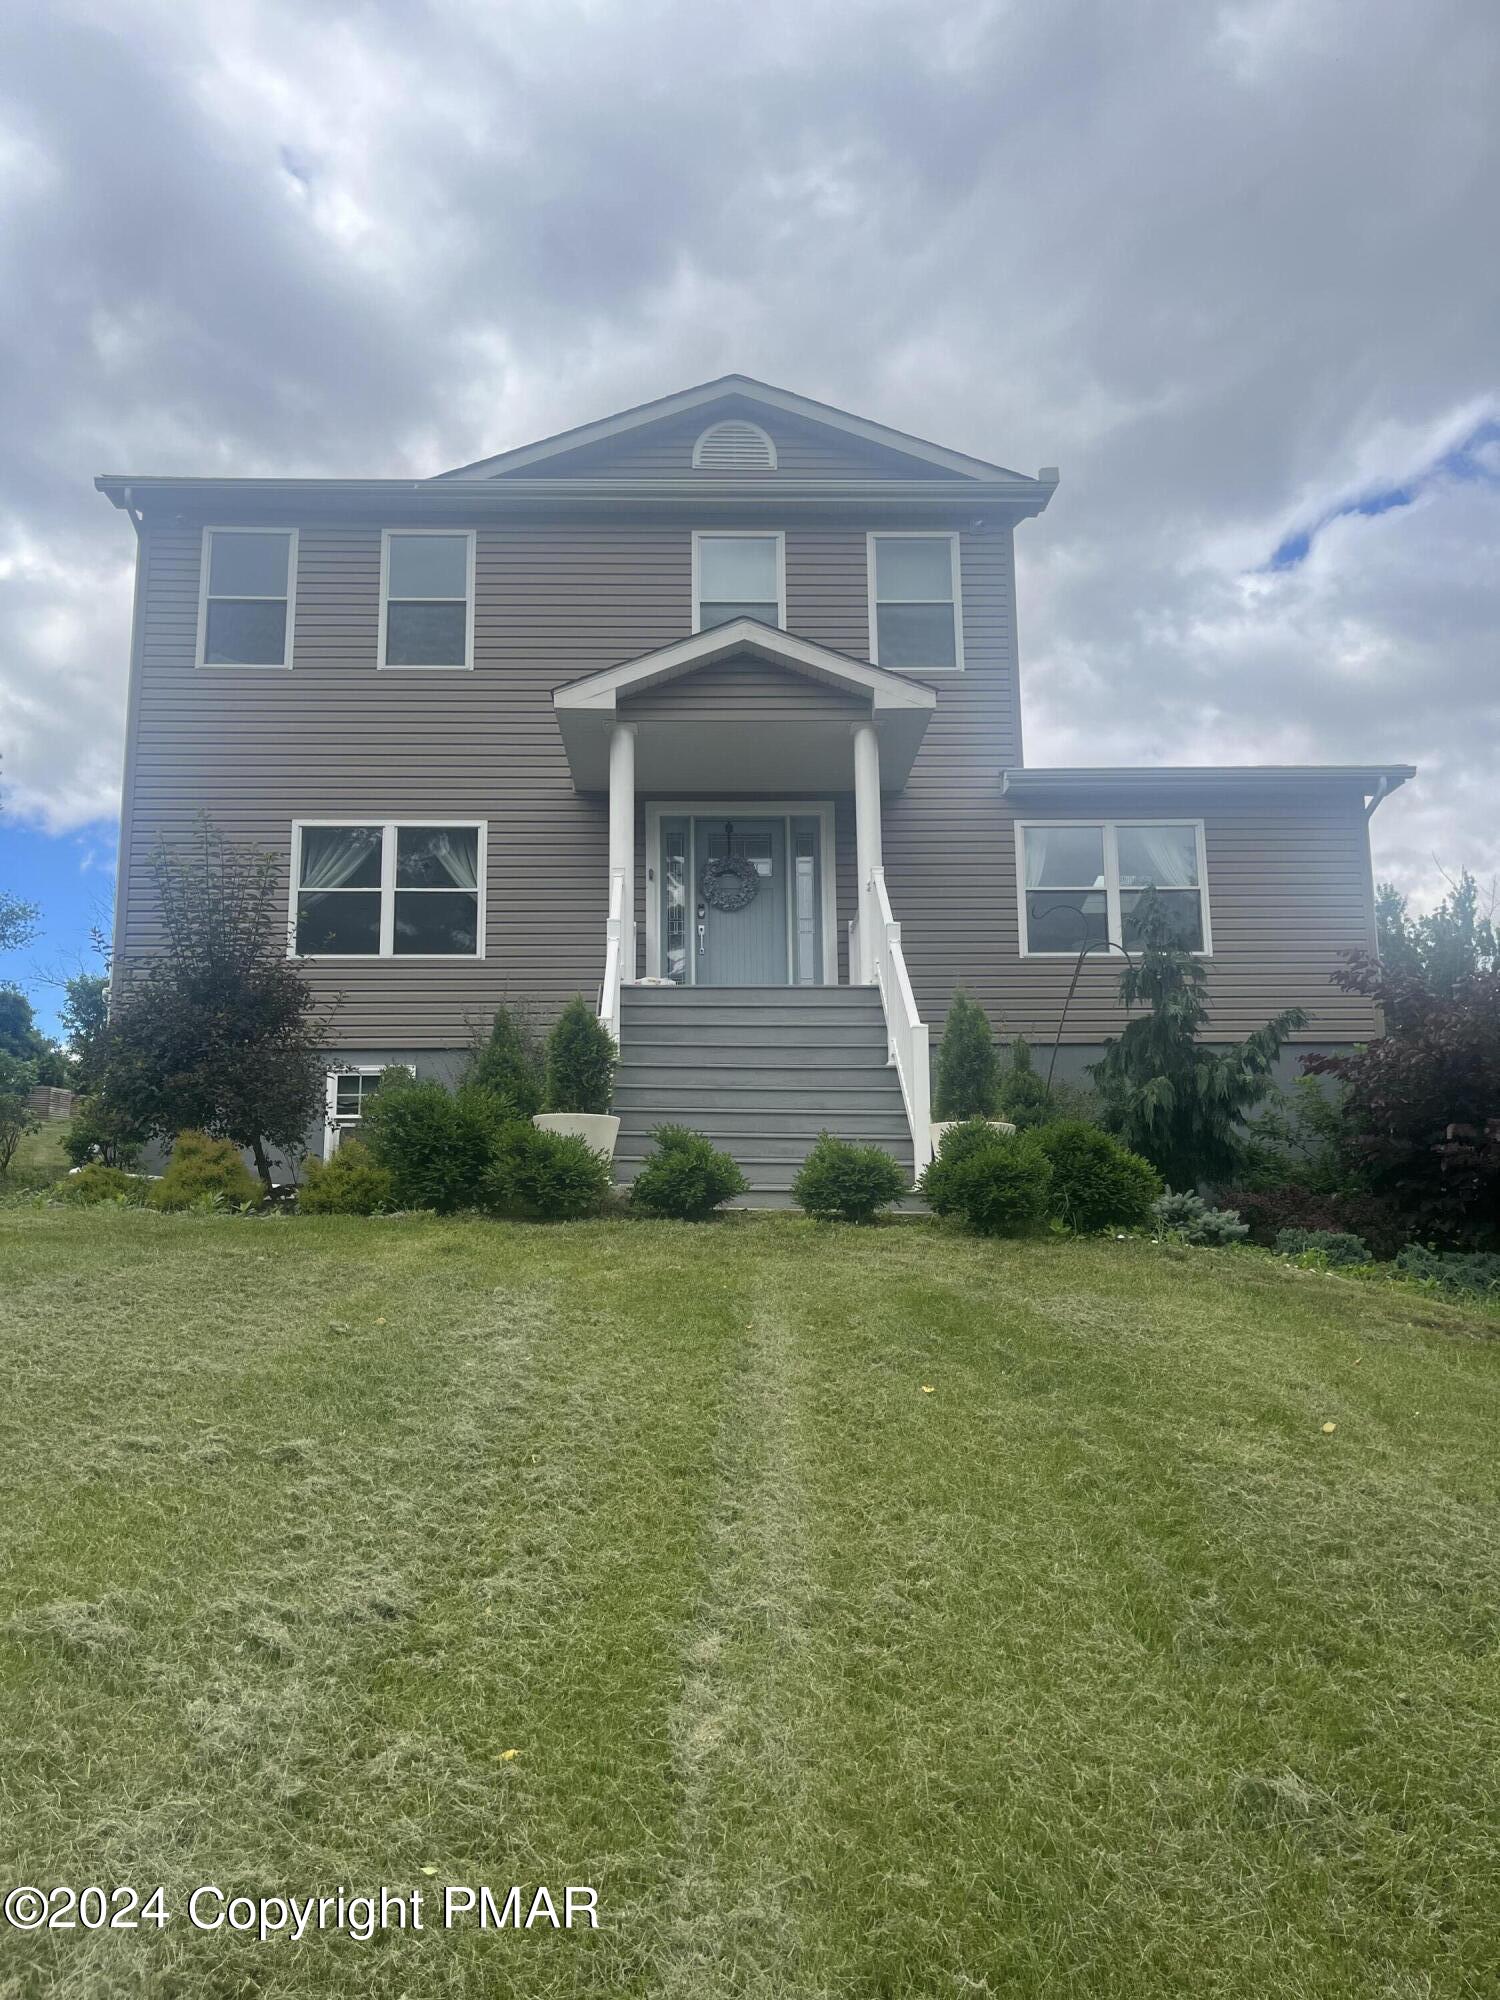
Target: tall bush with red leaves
x,y
1422,1104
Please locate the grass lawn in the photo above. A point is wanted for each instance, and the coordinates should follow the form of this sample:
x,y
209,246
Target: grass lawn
x,y
1098,1670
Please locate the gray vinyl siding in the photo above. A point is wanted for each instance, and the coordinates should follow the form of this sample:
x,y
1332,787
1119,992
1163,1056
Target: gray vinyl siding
x,y
562,597
740,691
665,450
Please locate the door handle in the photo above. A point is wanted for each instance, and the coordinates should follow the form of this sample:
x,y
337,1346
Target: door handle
x,y
702,939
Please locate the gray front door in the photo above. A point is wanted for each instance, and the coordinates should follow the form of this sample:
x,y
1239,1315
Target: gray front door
x,y
744,947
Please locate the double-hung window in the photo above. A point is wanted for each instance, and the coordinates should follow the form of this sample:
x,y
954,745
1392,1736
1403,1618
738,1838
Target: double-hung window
x,y
738,576
427,598
388,889
247,597
916,608
1081,881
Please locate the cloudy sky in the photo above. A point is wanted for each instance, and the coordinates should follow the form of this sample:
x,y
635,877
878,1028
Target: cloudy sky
x,y
1235,268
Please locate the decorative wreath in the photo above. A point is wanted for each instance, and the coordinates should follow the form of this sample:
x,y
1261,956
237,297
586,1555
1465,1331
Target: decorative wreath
x,y
728,882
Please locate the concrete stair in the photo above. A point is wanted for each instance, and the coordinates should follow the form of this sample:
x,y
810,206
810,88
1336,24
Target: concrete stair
x,y
762,1070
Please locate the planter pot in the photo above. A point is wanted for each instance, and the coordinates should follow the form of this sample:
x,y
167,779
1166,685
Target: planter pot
x,y
942,1125
598,1129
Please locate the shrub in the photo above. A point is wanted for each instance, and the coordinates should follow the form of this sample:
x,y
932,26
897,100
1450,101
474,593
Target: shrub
x,y
1452,1270
508,1064
997,1183
97,1132
1267,1211
349,1184
1334,1246
202,1169
436,1144
98,1183
16,1115
966,1068
686,1178
1096,1182
580,1060
842,1182
1021,1097
1189,1217
552,1175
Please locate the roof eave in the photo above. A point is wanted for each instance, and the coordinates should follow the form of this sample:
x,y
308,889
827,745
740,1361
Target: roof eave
x,y
1036,780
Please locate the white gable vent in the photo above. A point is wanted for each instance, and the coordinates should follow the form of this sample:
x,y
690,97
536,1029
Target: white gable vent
x,y
735,446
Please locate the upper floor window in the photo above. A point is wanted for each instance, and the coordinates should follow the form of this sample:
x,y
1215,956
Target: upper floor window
x,y
427,598
388,889
246,598
916,613
734,446
1081,881
738,576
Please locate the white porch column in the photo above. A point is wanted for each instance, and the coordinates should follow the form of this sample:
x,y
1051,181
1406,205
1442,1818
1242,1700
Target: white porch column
x,y
622,832
867,849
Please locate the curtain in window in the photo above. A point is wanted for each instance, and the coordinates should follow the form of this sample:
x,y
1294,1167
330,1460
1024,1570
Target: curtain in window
x,y
449,855
332,856
1165,855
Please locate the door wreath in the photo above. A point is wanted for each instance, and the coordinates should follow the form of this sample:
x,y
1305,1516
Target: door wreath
x,y
728,882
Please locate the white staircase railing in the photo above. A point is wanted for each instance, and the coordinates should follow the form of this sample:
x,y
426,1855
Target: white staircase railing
x,y
619,952
877,930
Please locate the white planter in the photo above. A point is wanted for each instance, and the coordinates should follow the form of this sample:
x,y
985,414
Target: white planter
x,y
942,1125
598,1129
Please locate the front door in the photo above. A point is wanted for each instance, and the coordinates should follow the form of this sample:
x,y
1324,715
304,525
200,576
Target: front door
x,y
741,899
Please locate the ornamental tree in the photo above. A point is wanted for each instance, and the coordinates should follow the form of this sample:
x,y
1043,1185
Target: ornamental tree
x,y
217,1031
967,1081
1170,1098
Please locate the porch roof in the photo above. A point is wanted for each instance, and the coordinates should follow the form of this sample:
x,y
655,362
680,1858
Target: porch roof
x,y
808,750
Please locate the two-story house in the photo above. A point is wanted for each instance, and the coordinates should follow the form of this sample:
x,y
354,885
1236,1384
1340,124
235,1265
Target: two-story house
x,y
711,710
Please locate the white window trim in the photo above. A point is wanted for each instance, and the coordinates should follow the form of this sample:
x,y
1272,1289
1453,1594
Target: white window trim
x,y
776,535
333,1126
205,545
955,571
819,809
1109,828
387,951
437,666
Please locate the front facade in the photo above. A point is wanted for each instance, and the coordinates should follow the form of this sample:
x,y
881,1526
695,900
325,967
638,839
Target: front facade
x,y
710,711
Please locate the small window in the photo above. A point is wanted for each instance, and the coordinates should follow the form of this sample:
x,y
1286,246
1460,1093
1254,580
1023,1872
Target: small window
x,y
427,599
916,620
388,890
349,1092
245,609
734,446
737,576
1081,882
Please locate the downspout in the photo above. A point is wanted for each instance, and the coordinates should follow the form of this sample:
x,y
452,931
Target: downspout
x,y
1382,788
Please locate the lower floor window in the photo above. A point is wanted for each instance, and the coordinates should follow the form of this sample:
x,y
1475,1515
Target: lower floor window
x,y
388,889
349,1094
1081,881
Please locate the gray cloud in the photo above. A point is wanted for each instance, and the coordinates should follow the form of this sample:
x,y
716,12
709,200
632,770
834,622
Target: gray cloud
x,y
1229,266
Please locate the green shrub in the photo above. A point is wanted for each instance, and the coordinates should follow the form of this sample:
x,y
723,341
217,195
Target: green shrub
x,y
996,1183
203,1170
99,1133
966,1070
436,1144
552,1175
349,1184
1096,1182
1460,1271
842,1182
1334,1246
16,1115
1189,1217
1021,1097
686,1178
509,1065
98,1183
580,1060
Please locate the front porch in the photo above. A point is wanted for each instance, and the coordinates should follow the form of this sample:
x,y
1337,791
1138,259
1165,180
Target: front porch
x,y
725,759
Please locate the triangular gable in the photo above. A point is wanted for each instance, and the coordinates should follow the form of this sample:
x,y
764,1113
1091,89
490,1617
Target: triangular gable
x,y
603,446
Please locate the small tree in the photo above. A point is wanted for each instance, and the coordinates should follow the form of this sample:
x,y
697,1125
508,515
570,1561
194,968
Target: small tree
x,y
967,1085
217,1031
85,1019
1444,948
1173,1101
580,1060
508,1063
16,1115
19,922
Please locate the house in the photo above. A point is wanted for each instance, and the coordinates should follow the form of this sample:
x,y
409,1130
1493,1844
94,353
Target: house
x,y
710,709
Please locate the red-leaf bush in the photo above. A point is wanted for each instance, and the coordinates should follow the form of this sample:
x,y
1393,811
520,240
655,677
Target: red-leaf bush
x,y
1422,1104
1271,1210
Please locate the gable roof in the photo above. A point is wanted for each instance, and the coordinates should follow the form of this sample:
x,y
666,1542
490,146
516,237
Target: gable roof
x,y
743,388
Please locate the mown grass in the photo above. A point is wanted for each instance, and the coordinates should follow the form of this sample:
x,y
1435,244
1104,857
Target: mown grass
x,y
872,1613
